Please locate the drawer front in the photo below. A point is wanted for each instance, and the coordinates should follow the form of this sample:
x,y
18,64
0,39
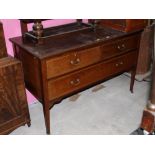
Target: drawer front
x,y
119,47
72,82
72,61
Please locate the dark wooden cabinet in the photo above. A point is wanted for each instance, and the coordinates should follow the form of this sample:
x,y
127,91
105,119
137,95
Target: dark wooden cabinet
x,y
68,63
13,103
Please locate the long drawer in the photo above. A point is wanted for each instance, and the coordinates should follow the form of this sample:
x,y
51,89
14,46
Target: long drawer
x,y
79,59
74,81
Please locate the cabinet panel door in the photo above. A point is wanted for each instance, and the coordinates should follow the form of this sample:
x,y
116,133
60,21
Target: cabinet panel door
x,y
13,104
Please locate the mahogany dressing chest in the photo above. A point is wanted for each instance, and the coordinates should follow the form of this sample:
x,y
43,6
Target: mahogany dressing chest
x,y
74,58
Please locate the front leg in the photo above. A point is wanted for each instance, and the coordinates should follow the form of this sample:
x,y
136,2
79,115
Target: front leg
x,y
47,117
46,104
29,123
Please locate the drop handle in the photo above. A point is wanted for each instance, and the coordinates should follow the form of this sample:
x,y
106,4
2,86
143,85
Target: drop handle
x,y
121,63
116,65
75,82
75,62
121,47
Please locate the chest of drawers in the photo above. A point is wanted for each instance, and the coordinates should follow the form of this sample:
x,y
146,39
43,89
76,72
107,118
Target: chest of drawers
x,y
62,67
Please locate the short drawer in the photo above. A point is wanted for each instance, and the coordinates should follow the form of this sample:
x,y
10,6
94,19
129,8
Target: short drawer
x,y
74,81
120,46
72,61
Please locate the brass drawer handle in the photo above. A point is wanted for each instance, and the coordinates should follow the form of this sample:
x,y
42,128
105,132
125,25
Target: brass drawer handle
x,y
75,82
121,47
121,63
116,65
75,62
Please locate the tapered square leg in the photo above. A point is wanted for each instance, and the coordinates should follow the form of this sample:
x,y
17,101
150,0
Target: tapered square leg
x,y
47,118
133,74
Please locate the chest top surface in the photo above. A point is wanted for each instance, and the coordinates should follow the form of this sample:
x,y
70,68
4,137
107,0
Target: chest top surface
x,y
60,44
